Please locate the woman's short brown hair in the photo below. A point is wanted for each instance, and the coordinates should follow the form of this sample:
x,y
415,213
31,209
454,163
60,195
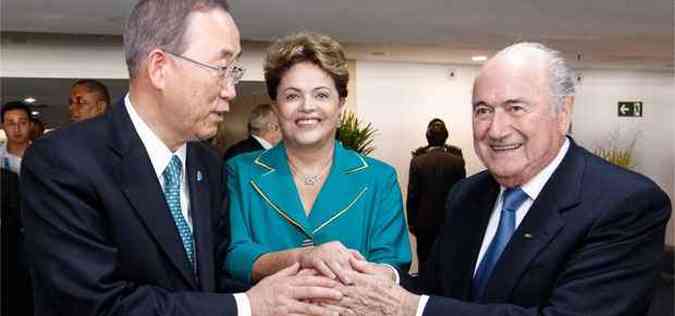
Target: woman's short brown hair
x,y
318,49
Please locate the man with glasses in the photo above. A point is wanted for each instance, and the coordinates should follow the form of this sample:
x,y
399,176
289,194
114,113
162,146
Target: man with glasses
x,y
134,224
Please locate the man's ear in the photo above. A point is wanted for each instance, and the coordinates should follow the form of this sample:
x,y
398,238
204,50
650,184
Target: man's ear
x,y
157,67
565,114
101,106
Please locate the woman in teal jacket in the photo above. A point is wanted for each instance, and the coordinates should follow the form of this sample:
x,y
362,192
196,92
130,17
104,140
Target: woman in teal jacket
x,y
308,199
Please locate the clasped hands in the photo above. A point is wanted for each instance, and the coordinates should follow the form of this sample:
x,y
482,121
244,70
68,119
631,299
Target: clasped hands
x,y
331,279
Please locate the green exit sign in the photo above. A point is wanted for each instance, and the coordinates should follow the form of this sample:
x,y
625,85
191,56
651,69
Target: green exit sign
x,y
630,108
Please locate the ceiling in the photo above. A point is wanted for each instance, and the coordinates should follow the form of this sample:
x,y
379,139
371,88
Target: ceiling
x,y
632,33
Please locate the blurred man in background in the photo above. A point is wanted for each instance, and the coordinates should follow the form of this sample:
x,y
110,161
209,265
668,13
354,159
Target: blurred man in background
x,y
88,98
15,117
263,129
434,169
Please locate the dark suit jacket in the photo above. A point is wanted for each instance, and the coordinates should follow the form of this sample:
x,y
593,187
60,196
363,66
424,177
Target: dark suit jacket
x,y
590,244
247,145
432,175
16,290
100,233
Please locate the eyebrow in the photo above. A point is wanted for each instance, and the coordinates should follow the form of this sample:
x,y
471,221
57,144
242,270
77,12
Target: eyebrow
x,y
479,103
516,100
227,53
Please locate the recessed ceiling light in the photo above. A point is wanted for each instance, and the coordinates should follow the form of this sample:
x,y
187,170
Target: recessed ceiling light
x,y
35,113
29,100
479,58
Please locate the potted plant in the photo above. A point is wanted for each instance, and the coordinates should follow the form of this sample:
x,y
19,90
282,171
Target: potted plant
x,y
354,135
617,153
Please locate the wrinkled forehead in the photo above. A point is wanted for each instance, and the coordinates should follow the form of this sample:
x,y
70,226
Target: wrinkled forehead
x,y
214,30
510,77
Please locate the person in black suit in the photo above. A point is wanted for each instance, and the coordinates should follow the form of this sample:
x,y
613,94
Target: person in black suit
x,y
17,298
549,228
434,169
124,213
263,130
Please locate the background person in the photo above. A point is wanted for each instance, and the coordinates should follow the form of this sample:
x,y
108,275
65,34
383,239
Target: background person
x,y
263,129
15,116
37,128
434,169
309,200
88,98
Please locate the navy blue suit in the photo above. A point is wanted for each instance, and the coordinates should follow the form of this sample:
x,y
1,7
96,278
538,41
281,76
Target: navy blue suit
x,y
590,244
99,232
247,145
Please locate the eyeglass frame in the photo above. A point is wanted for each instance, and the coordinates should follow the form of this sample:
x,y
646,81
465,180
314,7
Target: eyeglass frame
x,y
232,72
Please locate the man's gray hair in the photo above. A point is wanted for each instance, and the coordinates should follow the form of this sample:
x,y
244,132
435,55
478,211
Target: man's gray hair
x,y
562,77
261,119
160,24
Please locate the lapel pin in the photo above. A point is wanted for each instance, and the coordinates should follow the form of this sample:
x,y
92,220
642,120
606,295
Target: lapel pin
x,y
199,175
528,236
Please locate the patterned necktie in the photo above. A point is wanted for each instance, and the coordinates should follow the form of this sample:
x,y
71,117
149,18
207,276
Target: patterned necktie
x,y
513,198
172,180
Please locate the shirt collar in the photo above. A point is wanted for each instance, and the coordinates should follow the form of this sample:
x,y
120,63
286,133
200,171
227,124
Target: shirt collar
x,y
262,142
536,184
159,153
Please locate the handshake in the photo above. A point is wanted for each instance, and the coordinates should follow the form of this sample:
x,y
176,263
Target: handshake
x,y
331,280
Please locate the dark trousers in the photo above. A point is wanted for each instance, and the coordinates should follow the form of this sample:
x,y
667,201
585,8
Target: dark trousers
x,y
425,240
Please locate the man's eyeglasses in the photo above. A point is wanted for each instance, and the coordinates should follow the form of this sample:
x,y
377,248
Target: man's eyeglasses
x,y
233,73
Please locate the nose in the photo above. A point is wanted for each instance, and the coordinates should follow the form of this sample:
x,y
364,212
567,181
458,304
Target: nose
x,y
500,126
307,104
228,90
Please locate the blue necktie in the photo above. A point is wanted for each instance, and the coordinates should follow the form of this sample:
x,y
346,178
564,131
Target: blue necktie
x,y
172,180
513,198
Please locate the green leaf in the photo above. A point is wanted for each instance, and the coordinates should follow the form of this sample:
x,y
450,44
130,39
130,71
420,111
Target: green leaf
x,y
354,135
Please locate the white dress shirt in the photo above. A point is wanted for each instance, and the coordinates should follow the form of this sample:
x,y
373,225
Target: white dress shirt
x,y
160,156
262,142
9,161
532,188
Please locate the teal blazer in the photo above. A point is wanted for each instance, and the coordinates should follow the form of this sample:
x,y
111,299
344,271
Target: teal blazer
x,y
359,205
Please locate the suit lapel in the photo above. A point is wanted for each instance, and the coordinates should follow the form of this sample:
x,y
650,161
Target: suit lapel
x,y
200,200
541,224
275,186
470,225
141,187
340,191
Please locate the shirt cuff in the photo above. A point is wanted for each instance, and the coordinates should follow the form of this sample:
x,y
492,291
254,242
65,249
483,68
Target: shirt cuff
x,y
421,305
243,304
397,278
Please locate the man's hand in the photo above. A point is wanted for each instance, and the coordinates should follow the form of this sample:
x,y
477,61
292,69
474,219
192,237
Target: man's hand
x,y
331,259
287,293
373,293
376,270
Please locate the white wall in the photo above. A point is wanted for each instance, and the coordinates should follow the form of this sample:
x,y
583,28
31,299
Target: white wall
x,y
401,98
596,117
82,56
